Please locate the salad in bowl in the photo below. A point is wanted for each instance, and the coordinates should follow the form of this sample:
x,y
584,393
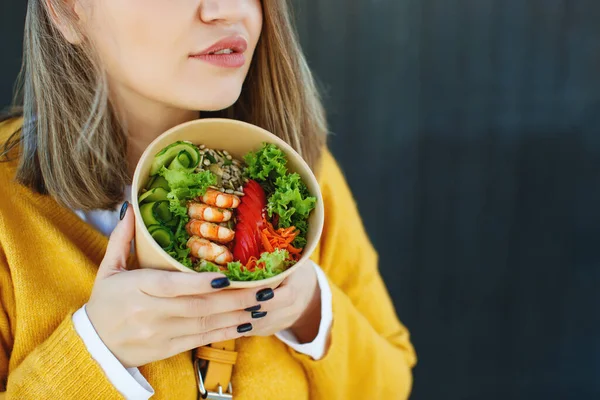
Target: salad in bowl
x,y
225,196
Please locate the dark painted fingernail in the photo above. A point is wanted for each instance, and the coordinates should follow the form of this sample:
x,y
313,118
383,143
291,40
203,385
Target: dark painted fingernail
x,y
264,295
244,328
254,308
220,283
123,210
257,315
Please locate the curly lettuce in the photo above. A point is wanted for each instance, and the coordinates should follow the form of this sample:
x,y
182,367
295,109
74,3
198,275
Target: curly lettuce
x,y
292,204
288,196
185,185
180,251
268,163
269,265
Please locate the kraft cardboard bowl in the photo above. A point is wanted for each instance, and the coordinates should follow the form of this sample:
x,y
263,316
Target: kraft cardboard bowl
x,y
238,138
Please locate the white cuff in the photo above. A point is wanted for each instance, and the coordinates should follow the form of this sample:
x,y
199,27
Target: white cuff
x,y
317,348
128,381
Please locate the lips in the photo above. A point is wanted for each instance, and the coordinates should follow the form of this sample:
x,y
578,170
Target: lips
x,y
233,44
228,53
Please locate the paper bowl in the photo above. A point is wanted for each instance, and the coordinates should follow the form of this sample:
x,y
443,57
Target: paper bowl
x,y
238,138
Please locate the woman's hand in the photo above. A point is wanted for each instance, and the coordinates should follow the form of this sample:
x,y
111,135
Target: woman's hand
x,y
296,305
148,315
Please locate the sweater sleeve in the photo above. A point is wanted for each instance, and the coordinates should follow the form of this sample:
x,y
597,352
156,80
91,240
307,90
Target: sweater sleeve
x,y
58,368
370,351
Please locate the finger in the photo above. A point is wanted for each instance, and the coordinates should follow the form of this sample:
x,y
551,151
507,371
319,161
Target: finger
x,y
283,297
189,342
218,303
275,321
176,284
190,326
119,245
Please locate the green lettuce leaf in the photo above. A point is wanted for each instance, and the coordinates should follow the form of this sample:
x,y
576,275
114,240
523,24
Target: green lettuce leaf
x,y
180,251
185,185
182,179
274,264
268,163
300,240
292,204
206,266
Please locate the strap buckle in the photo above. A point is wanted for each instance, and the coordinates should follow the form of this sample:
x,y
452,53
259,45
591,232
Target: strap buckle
x,y
205,394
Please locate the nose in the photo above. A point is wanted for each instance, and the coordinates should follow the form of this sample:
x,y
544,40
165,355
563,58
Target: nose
x,y
223,11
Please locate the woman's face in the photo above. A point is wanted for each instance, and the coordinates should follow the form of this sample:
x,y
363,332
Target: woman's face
x,y
161,50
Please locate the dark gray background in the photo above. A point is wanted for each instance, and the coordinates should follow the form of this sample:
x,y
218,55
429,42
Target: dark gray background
x,y
469,132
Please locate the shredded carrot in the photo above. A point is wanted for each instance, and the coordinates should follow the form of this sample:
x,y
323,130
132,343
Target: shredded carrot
x,y
270,228
281,238
287,231
266,243
294,250
272,239
251,265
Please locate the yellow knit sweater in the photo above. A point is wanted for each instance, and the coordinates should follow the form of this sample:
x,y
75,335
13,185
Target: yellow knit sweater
x,y
48,261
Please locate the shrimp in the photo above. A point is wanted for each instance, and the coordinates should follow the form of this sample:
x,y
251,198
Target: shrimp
x,y
209,251
219,199
209,231
206,213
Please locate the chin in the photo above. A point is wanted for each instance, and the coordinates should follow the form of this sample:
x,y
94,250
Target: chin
x,y
215,99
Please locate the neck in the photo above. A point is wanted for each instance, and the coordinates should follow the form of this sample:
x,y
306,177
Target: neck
x,y
144,120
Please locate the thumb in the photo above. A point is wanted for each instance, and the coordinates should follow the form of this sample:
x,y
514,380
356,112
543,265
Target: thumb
x,y
119,244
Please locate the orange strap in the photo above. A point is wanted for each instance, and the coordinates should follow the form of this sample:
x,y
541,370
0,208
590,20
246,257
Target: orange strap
x,y
221,357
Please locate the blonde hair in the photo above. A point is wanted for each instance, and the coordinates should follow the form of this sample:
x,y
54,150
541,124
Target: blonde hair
x,y
72,145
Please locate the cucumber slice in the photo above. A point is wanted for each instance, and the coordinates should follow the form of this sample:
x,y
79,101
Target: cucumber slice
x,y
150,183
183,160
173,223
159,182
148,215
166,156
152,228
163,236
162,211
156,194
156,213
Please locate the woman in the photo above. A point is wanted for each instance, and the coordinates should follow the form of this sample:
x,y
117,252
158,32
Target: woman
x,y
101,80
